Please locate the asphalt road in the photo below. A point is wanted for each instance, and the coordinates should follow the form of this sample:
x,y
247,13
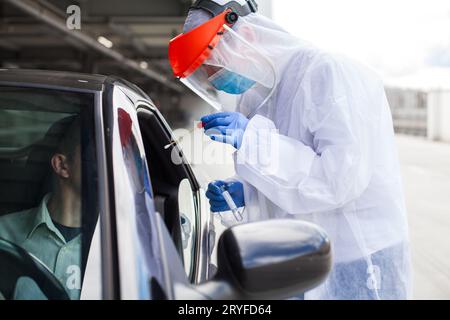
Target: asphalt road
x,y
425,168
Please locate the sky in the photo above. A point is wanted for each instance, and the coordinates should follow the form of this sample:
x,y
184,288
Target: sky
x,y
396,37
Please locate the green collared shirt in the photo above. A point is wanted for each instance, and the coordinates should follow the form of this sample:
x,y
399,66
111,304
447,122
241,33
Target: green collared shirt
x,y
33,230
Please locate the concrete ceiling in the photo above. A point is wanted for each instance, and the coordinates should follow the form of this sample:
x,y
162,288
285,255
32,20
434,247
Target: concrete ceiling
x,y
139,30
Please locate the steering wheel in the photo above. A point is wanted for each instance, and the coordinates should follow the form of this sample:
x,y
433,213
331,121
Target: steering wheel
x,y
15,262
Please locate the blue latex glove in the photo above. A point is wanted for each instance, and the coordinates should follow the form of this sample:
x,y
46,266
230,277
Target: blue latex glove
x,y
216,200
226,127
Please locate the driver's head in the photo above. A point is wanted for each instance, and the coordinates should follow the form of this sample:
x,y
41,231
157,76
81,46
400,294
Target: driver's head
x,y
66,160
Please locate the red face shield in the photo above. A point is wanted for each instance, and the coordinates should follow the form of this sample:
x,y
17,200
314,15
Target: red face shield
x,y
189,51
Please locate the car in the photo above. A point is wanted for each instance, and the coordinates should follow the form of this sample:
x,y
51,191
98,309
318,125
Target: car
x,y
146,230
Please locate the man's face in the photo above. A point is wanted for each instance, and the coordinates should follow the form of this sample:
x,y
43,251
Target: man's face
x,y
210,70
76,170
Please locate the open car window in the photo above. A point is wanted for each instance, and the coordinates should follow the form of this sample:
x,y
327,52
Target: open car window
x,y
175,190
48,198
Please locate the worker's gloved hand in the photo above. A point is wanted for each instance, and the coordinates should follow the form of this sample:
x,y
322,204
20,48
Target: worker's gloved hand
x,y
226,127
217,201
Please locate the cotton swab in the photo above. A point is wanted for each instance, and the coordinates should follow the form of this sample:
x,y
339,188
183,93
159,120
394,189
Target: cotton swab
x,y
174,142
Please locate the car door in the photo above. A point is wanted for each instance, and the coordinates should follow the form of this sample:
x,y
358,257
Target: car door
x,y
148,264
178,195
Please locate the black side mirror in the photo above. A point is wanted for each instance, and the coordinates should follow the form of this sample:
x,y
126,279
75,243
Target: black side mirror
x,y
272,259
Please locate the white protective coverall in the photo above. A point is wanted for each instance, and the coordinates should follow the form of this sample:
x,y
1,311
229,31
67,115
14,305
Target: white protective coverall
x,y
323,150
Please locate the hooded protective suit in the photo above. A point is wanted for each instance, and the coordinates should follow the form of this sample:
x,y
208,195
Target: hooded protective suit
x,y
322,149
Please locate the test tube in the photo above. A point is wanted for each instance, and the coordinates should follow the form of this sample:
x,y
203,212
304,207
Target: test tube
x,y
231,204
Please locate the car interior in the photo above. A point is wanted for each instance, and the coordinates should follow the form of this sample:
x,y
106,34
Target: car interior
x,y
25,170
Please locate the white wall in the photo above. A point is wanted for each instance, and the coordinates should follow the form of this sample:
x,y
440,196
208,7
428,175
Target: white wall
x,y
439,116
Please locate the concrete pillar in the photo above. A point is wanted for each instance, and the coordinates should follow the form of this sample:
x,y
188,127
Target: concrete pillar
x,y
265,7
438,123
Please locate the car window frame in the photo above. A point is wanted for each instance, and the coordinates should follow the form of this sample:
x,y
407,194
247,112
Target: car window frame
x,y
143,109
202,256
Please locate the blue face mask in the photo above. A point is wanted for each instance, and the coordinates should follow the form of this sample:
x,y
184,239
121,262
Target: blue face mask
x,y
230,82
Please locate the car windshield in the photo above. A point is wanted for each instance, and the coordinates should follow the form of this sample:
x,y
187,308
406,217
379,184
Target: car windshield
x,y
48,203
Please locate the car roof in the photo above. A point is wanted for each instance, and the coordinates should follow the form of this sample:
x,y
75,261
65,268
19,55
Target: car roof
x,y
63,79
71,81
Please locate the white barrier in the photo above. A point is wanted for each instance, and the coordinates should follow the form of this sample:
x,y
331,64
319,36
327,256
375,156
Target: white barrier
x,y
438,123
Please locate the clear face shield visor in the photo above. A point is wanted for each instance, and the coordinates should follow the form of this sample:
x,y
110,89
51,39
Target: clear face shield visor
x,y
231,68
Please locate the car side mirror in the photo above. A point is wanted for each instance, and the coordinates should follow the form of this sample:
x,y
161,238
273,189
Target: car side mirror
x,y
272,259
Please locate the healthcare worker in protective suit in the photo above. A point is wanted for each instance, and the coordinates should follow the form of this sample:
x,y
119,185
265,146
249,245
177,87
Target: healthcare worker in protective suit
x,y
314,141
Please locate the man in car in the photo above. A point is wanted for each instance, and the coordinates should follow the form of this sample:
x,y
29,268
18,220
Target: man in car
x,y
52,230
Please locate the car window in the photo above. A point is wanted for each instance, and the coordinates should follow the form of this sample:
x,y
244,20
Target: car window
x,y
48,198
16,130
174,191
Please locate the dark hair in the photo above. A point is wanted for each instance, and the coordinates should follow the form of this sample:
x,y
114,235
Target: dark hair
x,y
71,138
